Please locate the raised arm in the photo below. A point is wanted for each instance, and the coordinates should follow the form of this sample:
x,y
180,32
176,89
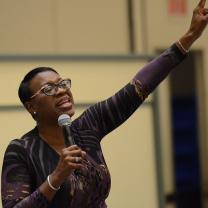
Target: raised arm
x,y
107,115
151,75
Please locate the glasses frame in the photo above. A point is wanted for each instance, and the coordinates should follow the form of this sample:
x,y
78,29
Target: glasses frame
x,y
56,85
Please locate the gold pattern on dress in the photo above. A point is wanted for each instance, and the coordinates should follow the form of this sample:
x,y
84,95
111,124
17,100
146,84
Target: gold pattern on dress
x,y
25,192
25,185
72,190
10,191
81,185
140,90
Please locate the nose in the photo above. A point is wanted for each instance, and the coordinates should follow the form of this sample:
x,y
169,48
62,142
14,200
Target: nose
x,y
60,90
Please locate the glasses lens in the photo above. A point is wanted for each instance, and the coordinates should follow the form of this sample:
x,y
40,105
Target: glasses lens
x,y
65,84
49,89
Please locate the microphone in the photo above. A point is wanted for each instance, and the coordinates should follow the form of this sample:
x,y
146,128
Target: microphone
x,y
64,121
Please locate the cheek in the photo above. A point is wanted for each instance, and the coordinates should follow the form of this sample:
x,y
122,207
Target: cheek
x,y
45,105
71,96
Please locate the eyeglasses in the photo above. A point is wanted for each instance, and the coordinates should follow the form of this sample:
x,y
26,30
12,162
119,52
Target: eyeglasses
x,y
51,89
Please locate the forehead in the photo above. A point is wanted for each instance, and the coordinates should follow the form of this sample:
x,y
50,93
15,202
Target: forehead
x,y
43,78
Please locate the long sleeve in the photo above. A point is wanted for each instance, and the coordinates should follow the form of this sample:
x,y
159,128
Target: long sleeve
x,y
16,186
147,79
105,116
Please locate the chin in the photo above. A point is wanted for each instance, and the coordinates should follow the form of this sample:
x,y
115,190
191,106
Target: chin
x,y
65,108
70,112
67,111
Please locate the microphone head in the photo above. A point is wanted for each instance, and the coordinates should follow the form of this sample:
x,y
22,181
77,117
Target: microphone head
x,y
64,120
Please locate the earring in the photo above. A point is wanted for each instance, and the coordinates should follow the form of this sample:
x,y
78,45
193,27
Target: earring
x,y
34,113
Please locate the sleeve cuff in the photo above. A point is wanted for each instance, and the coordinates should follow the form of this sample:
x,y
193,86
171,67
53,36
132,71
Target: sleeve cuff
x,y
179,54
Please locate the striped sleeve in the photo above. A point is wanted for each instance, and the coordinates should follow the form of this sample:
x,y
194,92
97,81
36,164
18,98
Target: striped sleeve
x,y
105,116
149,77
16,182
109,114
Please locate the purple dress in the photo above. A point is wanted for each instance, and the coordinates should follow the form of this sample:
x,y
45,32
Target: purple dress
x,y
29,160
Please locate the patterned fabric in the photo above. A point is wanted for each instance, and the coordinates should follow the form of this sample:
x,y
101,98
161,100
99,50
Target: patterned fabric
x,y
156,71
142,93
29,160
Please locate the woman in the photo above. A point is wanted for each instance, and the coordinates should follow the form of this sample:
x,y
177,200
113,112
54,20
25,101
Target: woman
x,y
40,171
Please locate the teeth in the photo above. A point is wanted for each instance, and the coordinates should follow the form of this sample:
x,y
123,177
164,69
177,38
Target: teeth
x,y
62,102
66,101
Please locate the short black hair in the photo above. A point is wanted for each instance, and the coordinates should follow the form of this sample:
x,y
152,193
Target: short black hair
x,y
24,92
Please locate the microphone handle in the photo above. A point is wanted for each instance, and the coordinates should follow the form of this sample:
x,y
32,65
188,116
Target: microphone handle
x,y
68,140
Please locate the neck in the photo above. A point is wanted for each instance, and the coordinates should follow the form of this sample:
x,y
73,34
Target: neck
x,y
52,134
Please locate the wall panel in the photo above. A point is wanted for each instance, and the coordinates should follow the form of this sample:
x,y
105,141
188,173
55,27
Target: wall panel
x,y
92,26
26,27
57,27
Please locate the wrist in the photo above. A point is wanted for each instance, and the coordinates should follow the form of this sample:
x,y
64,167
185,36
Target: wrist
x,y
181,47
51,184
187,40
190,37
55,180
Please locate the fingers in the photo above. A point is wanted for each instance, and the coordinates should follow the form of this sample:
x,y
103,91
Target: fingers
x,y
73,162
201,4
74,150
73,155
71,158
72,147
204,11
77,159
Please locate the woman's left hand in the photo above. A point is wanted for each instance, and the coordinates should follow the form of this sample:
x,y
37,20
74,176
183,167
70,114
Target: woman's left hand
x,y
198,24
199,20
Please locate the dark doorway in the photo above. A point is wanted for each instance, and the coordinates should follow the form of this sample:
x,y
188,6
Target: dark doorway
x,y
185,134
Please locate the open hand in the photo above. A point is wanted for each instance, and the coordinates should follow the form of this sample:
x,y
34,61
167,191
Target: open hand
x,y
199,20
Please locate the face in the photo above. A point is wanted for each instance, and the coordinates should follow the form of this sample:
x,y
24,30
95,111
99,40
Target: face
x,y
49,108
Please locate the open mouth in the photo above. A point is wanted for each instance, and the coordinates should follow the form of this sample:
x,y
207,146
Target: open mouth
x,y
64,102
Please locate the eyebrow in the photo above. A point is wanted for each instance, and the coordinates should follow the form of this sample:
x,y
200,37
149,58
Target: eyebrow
x,y
51,82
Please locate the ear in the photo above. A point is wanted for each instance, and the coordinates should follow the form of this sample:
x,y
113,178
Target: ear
x,y
30,108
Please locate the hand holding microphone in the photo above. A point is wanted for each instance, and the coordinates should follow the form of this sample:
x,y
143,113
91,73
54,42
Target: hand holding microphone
x,y
71,157
70,160
64,121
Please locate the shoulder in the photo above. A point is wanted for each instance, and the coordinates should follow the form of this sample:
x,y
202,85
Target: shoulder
x,y
88,119
80,121
19,145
